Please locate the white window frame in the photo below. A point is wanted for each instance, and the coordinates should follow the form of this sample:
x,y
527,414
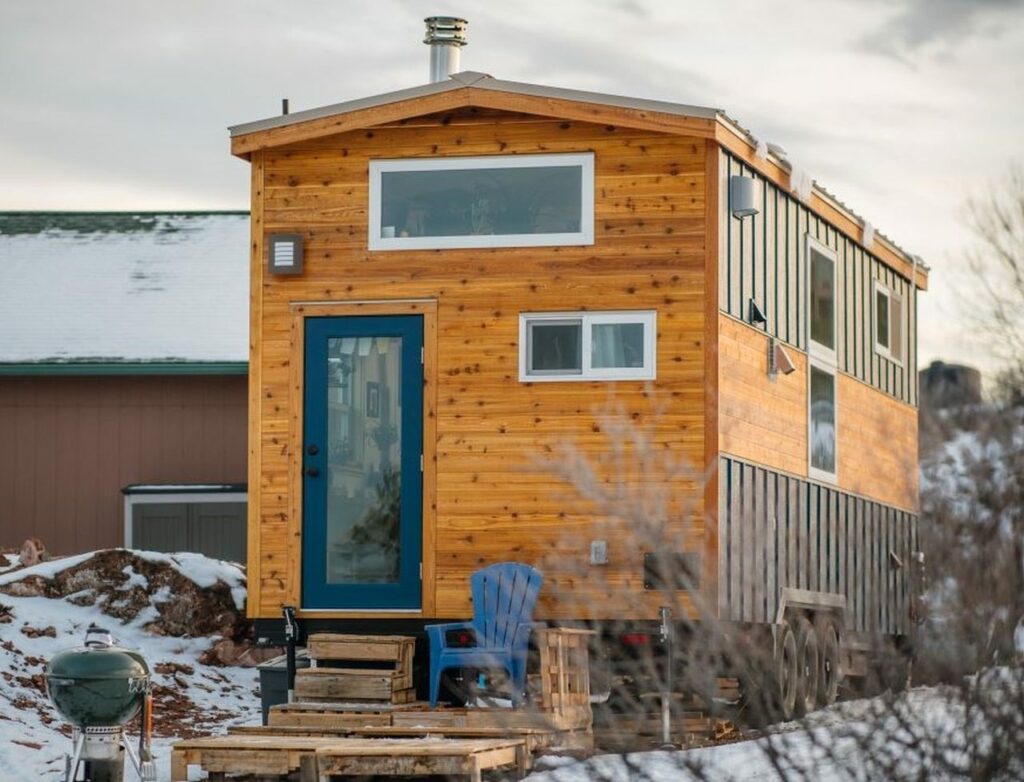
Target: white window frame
x,y
816,349
812,471
584,236
880,349
587,320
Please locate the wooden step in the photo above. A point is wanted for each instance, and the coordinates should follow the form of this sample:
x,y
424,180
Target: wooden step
x,y
350,684
319,757
395,649
465,758
336,715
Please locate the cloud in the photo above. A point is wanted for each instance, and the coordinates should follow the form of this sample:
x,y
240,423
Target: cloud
x,y
920,24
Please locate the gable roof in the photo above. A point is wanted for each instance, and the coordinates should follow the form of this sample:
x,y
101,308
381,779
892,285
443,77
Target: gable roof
x,y
478,82
471,88
117,292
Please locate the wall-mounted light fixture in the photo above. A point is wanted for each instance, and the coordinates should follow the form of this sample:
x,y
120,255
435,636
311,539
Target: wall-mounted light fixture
x,y
742,196
284,254
778,360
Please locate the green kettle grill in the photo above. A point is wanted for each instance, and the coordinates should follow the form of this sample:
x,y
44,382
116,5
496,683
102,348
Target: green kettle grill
x,y
99,688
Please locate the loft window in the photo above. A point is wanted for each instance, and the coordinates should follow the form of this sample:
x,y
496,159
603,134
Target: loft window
x,y
822,300
822,421
587,346
491,201
888,323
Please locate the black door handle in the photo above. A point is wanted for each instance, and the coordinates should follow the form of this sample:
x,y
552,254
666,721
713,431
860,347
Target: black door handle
x,y
312,472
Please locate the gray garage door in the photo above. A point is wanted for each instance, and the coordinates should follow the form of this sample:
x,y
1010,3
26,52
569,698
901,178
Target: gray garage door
x,y
216,529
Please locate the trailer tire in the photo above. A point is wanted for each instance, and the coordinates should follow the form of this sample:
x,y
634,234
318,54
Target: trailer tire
x,y
808,667
784,685
831,672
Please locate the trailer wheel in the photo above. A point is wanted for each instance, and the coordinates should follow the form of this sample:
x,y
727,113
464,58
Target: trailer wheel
x,y
831,670
785,672
808,667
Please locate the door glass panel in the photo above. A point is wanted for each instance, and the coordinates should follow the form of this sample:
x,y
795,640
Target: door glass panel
x,y
364,458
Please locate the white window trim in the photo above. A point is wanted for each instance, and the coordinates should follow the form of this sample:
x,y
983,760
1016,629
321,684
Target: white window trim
x,y
885,352
812,471
584,237
816,349
174,497
649,319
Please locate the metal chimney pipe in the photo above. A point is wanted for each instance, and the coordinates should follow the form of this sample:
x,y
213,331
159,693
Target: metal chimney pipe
x,y
446,35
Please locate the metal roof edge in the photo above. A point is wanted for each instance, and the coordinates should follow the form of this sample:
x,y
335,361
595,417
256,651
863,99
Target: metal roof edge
x,y
605,99
284,120
475,80
108,368
135,489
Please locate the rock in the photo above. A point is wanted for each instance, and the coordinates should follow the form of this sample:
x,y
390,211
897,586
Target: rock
x,y
33,552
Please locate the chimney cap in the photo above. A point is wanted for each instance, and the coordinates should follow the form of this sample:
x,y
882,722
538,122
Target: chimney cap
x,y
450,30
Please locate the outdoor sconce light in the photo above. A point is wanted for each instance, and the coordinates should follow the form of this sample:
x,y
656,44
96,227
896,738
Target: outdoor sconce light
x,y
779,360
284,254
755,315
742,197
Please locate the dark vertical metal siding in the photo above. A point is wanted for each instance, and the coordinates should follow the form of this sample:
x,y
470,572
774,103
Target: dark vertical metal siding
x,y
779,531
71,443
764,258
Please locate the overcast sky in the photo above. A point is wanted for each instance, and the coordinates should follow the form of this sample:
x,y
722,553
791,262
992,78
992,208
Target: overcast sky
x,y
902,108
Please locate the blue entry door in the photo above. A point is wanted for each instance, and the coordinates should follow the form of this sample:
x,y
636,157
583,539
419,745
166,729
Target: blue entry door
x,y
361,461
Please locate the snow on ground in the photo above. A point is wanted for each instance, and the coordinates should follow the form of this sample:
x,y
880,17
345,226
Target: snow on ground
x,y
922,734
40,614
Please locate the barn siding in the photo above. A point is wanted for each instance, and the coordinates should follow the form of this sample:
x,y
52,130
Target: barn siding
x,y
72,443
752,259
814,537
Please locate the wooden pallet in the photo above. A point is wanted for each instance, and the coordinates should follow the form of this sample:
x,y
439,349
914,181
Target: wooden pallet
x,y
395,649
564,669
421,757
319,757
267,756
569,718
536,739
379,668
352,684
336,715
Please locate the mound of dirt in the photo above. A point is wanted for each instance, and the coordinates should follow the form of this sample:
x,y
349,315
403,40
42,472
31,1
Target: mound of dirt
x,y
180,595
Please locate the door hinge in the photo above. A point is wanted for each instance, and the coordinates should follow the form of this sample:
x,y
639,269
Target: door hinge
x,y
422,354
421,571
421,462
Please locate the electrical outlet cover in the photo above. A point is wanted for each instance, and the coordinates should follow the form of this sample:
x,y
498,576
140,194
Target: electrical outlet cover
x,y
598,552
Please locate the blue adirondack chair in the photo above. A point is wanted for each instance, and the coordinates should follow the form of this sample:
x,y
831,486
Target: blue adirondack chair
x,y
503,598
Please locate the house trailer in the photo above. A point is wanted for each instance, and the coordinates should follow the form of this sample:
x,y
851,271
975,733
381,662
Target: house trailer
x,y
451,281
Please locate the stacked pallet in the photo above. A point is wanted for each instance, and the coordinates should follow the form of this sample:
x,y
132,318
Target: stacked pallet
x,y
357,669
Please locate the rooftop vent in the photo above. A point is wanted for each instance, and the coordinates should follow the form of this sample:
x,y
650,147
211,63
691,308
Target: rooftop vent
x,y
446,35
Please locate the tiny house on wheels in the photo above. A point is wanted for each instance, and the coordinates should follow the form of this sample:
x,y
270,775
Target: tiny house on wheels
x,y
451,280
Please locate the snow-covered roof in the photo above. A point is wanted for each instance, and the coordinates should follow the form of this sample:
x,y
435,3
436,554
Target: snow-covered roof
x,y
117,289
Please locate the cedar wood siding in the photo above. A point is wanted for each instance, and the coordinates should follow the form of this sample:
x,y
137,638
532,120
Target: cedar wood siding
x,y
492,503
73,442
